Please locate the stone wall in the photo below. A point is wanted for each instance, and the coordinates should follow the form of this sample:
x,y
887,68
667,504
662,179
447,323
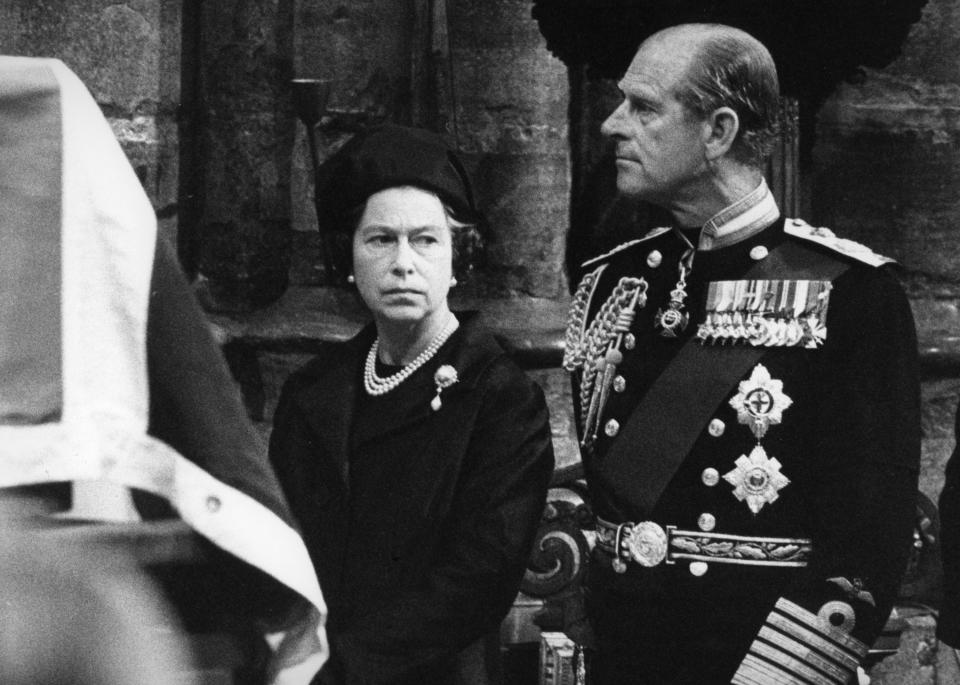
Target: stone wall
x,y
128,54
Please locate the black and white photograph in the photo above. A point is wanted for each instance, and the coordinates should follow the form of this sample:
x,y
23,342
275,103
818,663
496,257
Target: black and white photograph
x,y
479,342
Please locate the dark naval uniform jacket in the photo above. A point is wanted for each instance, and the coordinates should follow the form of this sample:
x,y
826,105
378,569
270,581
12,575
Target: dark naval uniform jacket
x,y
419,521
754,477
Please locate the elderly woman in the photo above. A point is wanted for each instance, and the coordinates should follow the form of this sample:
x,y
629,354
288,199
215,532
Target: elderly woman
x,y
416,455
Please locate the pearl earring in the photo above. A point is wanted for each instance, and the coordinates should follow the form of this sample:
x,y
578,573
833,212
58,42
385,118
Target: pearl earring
x,y
351,279
453,281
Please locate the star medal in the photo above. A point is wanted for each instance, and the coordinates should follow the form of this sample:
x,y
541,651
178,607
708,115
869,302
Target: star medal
x,y
756,479
444,377
673,320
760,401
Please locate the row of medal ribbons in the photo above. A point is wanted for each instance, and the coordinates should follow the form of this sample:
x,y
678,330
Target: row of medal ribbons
x,y
769,313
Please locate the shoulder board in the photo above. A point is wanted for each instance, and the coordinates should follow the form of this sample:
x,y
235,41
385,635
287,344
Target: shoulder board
x,y
623,246
799,228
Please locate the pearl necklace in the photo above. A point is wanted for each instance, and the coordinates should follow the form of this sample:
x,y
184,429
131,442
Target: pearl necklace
x,y
374,385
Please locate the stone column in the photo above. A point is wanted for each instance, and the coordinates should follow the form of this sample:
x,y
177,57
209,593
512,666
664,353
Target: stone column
x,y
506,107
245,134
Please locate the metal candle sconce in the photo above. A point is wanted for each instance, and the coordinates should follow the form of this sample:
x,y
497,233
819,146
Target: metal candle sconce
x,y
310,104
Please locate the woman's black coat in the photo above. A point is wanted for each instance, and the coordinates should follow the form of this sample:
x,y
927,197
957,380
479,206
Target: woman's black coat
x,y
428,558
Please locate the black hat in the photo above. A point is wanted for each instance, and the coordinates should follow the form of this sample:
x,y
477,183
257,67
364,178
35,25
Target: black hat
x,y
388,156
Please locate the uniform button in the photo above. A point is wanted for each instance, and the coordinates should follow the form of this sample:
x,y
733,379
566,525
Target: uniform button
x,y
629,341
213,504
619,384
612,427
710,477
759,252
698,568
716,428
654,259
707,522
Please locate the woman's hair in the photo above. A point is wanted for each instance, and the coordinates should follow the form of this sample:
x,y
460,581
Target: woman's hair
x,y
731,68
467,241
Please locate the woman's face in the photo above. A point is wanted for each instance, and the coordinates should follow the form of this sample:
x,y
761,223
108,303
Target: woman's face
x,y
402,255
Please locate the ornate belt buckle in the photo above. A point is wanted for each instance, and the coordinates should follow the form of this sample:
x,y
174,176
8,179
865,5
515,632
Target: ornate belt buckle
x,y
647,543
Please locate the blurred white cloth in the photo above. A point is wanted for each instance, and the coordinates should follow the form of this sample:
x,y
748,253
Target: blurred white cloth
x,y
109,376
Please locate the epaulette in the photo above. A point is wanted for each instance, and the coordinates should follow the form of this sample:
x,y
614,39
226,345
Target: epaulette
x,y
799,228
653,233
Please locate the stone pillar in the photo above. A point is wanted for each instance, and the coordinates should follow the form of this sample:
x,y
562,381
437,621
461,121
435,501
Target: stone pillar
x,y
507,105
241,236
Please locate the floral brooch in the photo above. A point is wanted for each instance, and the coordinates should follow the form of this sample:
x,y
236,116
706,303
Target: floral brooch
x,y
444,377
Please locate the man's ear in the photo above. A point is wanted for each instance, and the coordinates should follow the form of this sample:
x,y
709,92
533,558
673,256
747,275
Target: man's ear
x,y
724,124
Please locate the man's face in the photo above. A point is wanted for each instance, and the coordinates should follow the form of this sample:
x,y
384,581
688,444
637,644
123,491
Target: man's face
x,y
659,142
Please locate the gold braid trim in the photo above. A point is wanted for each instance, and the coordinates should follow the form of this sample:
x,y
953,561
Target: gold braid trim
x,y
573,347
613,319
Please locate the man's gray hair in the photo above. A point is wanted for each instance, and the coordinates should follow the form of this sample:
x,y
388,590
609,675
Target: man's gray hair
x,y
731,68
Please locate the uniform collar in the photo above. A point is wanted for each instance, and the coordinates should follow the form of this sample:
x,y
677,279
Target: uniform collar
x,y
744,218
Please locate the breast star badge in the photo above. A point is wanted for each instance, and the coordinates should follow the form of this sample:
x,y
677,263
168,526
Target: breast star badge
x,y
760,401
756,479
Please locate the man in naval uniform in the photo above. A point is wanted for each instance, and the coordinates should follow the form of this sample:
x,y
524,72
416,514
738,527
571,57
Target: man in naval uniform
x,y
747,398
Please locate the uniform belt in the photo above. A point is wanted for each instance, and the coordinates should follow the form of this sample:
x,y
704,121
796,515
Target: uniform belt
x,y
649,544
